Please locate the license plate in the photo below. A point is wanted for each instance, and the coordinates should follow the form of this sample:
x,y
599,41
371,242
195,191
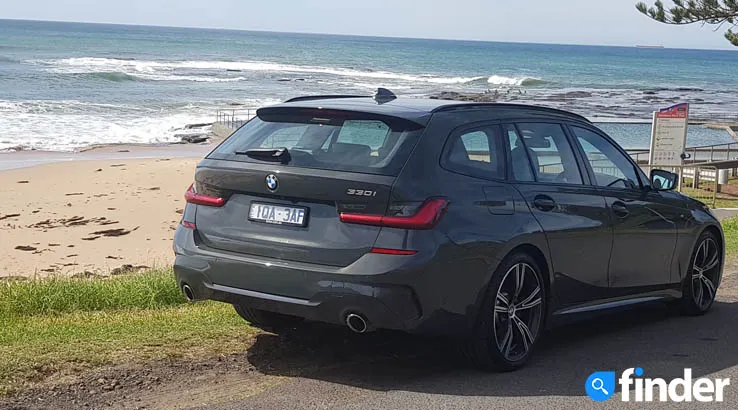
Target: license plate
x,y
278,214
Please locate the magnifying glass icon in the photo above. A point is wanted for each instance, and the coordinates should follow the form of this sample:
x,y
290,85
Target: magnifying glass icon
x,y
599,385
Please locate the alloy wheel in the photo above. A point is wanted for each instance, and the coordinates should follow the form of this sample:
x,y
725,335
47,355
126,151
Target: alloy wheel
x,y
705,273
518,311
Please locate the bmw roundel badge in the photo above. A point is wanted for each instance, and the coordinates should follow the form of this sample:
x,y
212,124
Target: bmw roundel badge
x,y
272,182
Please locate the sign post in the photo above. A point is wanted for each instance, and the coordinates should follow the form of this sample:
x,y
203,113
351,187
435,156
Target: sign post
x,y
669,137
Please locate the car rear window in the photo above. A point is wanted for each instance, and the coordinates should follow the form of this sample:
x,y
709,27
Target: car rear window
x,y
341,141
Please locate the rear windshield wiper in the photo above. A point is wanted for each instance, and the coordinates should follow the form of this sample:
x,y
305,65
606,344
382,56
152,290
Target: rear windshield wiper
x,y
267,154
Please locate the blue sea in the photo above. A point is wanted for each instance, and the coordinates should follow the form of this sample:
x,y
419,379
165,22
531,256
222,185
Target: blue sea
x,y
68,85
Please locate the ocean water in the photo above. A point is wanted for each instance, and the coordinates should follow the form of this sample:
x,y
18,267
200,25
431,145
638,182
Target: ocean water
x,y
67,85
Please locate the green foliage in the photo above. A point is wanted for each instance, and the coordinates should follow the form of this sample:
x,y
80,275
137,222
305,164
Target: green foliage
x,y
715,12
58,295
730,230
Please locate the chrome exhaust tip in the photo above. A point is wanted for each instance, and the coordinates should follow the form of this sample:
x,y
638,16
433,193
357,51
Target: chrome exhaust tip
x,y
356,323
188,292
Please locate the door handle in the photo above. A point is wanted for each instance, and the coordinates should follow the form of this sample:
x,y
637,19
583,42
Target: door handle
x,y
620,209
544,202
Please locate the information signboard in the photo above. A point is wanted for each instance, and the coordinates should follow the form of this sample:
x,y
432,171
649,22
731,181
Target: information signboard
x,y
669,135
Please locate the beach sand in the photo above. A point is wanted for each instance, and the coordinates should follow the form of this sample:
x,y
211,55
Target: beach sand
x,y
91,216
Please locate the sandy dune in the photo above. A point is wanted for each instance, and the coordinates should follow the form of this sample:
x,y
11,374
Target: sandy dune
x,y
90,216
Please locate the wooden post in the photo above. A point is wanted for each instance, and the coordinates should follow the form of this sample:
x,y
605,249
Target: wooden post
x,y
695,180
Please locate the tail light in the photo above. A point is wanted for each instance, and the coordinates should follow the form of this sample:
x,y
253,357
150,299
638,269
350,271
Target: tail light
x,y
188,225
192,197
386,251
425,217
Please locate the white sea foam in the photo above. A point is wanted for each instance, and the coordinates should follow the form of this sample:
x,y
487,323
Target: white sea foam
x,y
69,124
67,132
197,79
217,71
513,81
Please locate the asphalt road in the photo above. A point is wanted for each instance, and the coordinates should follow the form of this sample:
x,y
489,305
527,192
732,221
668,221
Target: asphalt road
x,y
389,371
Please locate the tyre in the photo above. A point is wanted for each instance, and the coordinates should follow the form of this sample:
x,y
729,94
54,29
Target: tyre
x,y
512,316
269,321
703,277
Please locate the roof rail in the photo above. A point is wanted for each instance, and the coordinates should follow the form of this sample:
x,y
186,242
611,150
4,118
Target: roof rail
x,y
451,107
323,97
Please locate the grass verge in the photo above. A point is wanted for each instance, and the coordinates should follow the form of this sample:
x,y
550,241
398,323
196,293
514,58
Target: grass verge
x,y
706,197
730,230
62,325
58,295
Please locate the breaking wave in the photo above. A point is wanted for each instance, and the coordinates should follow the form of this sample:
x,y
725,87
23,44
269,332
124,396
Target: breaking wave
x,y
517,81
63,125
115,69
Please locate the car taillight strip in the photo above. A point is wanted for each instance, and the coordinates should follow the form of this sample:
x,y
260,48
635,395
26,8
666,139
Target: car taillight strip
x,y
193,197
427,216
189,225
386,251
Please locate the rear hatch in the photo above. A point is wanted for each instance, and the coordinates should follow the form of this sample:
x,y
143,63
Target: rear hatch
x,y
285,178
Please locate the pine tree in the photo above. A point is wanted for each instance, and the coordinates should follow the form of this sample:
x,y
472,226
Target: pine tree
x,y
714,12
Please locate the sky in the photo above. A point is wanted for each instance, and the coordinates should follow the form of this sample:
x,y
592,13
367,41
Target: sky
x,y
604,22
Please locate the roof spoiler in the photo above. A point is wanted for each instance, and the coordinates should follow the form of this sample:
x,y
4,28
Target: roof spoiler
x,y
381,96
324,115
322,97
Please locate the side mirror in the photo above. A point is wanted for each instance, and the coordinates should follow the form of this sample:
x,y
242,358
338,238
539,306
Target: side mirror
x,y
663,180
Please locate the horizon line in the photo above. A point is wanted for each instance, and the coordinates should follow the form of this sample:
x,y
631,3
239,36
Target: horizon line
x,y
646,46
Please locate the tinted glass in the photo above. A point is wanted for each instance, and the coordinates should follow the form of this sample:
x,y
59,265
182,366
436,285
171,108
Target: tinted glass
x,y
611,168
476,152
520,168
367,132
549,151
374,146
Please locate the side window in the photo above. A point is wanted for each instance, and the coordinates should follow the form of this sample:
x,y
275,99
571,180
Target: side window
x,y
476,152
476,145
611,168
520,168
551,155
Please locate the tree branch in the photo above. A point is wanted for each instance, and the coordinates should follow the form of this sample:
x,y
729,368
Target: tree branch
x,y
713,12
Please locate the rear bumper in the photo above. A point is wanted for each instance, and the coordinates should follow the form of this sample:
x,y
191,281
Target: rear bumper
x,y
325,293
388,307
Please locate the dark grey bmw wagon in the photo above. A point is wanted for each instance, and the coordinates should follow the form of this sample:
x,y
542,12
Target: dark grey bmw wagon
x,y
482,221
